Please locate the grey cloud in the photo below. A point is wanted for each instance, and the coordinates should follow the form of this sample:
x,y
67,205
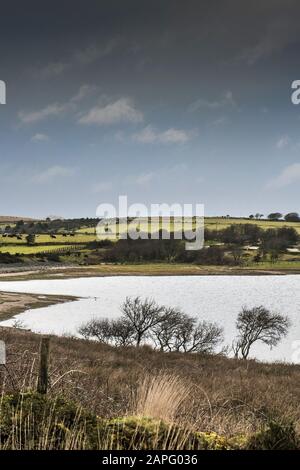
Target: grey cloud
x,y
85,56
51,110
56,109
52,173
39,138
225,100
150,135
289,175
122,110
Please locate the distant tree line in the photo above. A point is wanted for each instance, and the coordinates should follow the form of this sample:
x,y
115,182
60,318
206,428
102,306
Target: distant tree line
x,y
251,234
290,217
7,258
49,226
226,246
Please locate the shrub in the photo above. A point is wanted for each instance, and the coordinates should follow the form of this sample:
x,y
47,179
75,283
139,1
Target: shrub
x,y
54,257
7,258
30,421
276,436
142,433
34,421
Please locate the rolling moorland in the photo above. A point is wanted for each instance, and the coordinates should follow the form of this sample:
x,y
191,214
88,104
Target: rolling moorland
x,y
105,397
102,396
71,247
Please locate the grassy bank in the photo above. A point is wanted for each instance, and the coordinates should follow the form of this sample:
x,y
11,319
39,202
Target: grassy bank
x,y
150,269
229,398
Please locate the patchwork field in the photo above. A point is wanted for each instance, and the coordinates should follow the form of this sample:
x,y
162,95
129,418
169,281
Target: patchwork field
x,y
212,223
64,238
29,250
218,223
45,239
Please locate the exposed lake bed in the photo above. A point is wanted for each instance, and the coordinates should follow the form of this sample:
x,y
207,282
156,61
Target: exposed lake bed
x,y
14,303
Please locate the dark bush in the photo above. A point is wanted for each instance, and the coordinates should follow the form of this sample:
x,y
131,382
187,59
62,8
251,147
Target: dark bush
x,y
7,258
54,257
55,418
276,436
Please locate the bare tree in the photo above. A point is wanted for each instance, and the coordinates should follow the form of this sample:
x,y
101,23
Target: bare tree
x,y
258,324
122,332
142,315
183,333
165,332
99,329
205,338
180,332
169,328
118,332
200,337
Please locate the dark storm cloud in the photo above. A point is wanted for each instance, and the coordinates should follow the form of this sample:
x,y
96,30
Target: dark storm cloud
x,y
207,30
169,41
130,88
166,44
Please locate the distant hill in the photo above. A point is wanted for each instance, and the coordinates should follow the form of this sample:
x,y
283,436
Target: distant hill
x,y
11,219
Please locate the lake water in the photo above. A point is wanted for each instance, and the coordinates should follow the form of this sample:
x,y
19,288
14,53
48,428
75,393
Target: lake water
x,y
213,298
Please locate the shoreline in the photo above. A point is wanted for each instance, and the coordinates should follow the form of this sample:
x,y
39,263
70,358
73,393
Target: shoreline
x,y
154,269
14,303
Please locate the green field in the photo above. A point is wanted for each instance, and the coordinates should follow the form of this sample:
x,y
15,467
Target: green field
x,y
84,235
45,239
87,230
218,223
212,223
29,250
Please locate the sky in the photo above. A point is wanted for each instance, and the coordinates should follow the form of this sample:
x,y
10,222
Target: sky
x,y
162,101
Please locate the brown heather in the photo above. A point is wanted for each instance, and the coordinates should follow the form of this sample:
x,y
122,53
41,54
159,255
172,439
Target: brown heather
x,y
203,393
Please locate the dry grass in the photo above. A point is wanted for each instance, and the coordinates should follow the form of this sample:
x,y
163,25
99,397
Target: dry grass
x,y
160,396
206,393
27,434
48,432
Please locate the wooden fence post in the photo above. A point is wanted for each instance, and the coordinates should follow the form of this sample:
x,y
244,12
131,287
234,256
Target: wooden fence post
x,y
43,370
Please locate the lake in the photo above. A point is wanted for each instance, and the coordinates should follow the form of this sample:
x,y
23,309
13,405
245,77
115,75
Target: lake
x,y
213,298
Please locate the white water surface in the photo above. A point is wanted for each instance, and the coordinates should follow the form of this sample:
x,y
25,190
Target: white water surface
x,y
213,298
